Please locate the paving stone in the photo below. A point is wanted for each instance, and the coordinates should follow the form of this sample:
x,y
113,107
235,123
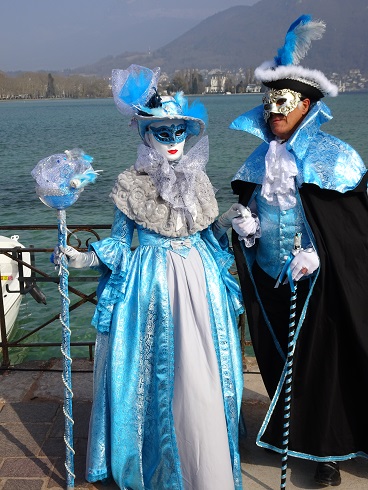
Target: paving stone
x,y
81,415
59,474
26,467
15,385
23,484
30,412
22,439
55,447
50,385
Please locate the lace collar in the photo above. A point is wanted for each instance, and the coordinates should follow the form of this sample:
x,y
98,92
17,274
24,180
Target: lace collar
x,y
171,200
278,186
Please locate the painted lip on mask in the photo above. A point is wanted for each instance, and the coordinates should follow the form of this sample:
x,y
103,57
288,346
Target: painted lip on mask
x,y
172,152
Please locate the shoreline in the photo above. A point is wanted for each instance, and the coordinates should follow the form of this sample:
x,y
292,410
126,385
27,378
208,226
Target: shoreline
x,y
25,99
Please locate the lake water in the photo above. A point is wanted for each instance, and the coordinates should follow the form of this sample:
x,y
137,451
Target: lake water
x,y
32,130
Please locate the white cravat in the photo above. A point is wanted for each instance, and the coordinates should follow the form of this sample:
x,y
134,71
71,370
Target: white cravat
x,y
278,186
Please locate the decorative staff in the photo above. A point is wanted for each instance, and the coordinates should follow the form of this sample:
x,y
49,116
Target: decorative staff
x,y
60,180
286,272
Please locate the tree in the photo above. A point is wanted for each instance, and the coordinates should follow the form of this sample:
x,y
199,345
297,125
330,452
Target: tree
x,y
50,92
179,83
239,89
229,86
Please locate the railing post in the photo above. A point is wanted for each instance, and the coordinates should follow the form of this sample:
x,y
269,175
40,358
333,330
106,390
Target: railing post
x,y
4,337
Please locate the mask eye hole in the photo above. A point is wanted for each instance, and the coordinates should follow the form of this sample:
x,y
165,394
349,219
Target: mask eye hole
x,y
281,101
164,134
179,132
267,107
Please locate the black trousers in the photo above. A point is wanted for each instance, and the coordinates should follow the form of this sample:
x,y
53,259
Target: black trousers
x,y
276,303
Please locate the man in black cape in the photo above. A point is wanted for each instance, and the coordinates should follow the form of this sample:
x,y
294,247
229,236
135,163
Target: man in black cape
x,y
303,181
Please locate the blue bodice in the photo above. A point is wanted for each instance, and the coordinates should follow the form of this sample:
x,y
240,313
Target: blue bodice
x,y
278,230
178,245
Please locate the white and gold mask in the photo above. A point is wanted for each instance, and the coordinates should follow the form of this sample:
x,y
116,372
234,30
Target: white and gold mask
x,y
279,102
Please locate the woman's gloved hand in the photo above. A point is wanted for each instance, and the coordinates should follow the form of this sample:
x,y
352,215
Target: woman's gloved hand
x,y
223,223
77,260
235,211
304,263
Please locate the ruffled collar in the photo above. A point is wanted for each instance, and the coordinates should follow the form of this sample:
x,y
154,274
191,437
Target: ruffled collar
x,y
278,186
174,201
175,182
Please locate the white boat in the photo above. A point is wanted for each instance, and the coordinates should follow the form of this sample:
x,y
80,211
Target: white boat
x,y
9,271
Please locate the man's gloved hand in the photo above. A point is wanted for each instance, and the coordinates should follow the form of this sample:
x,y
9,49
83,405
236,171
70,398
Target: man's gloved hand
x,y
223,223
248,227
304,263
77,260
245,226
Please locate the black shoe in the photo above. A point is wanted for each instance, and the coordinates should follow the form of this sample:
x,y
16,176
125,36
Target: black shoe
x,y
328,474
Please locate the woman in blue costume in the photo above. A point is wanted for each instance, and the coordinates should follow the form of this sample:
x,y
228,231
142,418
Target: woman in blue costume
x,y
302,180
168,368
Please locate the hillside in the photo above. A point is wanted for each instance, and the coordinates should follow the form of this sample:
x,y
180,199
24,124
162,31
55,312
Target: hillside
x,y
246,36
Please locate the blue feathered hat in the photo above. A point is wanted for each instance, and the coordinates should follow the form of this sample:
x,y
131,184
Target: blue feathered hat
x,y
284,70
135,95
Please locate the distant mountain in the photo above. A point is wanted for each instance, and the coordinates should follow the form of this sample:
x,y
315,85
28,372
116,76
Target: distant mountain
x,y
246,36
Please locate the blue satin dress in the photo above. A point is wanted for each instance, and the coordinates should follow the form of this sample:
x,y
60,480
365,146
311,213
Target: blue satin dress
x,y
168,367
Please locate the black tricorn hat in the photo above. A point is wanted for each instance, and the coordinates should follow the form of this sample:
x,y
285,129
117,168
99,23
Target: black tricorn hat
x,y
284,70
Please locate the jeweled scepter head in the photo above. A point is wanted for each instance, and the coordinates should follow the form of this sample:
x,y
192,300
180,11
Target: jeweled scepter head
x,y
62,177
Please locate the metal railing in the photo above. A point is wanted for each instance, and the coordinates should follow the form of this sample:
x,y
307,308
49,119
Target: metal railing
x,y
30,284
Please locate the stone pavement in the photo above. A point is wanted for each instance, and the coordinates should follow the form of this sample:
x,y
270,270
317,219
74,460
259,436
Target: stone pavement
x,y
32,451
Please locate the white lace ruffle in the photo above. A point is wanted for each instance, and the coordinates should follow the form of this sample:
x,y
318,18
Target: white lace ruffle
x,y
175,182
174,202
278,186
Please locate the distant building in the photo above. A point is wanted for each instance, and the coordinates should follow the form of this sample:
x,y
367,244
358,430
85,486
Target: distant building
x,y
217,81
253,88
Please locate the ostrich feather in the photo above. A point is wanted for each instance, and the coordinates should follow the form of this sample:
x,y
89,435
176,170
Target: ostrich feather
x,y
136,87
298,39
196,109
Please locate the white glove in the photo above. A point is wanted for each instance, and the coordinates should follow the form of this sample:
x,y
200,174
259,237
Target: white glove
x,y
77,260
245,226
223,223
304,263
235,211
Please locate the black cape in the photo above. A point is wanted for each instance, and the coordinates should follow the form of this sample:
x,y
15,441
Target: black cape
x,y
330,365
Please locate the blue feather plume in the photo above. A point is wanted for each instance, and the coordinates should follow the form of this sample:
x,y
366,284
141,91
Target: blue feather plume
x,y
197,109
136,87
298,40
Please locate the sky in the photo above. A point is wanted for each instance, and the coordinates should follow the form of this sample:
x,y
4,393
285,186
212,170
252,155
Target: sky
x,y
60,34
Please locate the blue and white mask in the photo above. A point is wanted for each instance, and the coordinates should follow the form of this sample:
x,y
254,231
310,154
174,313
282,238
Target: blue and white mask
x,y
169,135
168,138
